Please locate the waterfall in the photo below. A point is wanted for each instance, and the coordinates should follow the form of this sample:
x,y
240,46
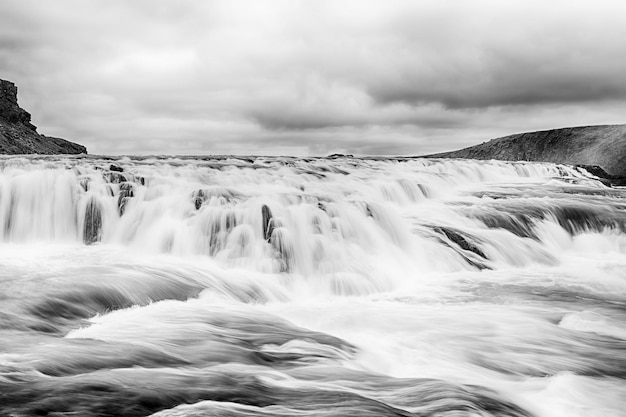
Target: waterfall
x,y
291,286
297,215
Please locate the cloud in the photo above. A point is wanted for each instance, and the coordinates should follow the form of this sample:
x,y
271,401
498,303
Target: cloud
x,y
284,76
516,55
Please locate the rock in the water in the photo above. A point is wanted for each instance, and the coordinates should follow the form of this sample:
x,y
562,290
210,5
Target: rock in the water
x,y
19,136
605,177
116,168
126,193
84,183
267,222
92,230
198,198
116,178
460,240
465,244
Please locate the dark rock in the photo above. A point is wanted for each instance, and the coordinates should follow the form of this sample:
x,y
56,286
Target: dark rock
x,y
604,176
267,222
116,168
116,178
198,198
595,170
464,243
9,109
601,146
92,230
339,155
84,183
126,193
19,136
460,240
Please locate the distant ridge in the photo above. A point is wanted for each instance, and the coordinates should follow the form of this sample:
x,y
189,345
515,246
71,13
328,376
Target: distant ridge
x,y
603,146
19,136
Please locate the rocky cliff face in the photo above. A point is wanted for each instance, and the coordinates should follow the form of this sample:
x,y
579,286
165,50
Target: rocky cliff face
x,y
19,136
603,146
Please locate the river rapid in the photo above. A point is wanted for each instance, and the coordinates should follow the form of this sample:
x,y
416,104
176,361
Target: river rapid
x,y
279,286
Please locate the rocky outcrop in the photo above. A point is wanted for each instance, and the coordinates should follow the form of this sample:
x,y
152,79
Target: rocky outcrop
x,y
602,146
19,136
605,177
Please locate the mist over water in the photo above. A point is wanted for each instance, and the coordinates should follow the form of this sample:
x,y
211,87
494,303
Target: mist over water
x,y
258,286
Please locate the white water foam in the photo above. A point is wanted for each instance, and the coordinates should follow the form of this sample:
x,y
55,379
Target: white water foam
x,y
280,279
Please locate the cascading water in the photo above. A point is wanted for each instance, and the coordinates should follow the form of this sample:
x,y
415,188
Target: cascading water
x,y
336,287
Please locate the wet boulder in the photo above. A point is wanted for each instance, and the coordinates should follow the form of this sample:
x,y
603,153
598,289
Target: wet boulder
x,y
198,198
460,240
84,183
267,222
115,178
92,227
126,193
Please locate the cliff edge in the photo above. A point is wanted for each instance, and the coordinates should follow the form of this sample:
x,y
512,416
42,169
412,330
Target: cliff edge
x,y
19,136
600,146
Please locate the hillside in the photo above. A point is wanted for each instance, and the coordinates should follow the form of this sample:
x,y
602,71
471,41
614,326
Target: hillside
x,y
19,136
603,146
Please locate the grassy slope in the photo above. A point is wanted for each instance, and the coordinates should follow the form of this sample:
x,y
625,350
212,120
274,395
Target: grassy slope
x,y
18,139
588,145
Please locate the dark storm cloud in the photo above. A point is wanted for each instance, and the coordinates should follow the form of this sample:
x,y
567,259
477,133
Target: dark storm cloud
x,y
283,76
509,54
502,80
512,87
315,117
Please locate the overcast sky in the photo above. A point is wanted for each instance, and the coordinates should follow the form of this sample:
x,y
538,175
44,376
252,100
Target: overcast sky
x,y
311,77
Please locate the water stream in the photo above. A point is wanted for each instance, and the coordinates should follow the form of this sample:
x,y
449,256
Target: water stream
x,y
246,286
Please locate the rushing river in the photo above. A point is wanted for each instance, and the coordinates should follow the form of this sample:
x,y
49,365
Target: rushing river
x,y
265,286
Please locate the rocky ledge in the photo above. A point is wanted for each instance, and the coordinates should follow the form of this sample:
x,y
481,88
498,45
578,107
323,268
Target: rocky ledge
x,y
19,136
587,146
